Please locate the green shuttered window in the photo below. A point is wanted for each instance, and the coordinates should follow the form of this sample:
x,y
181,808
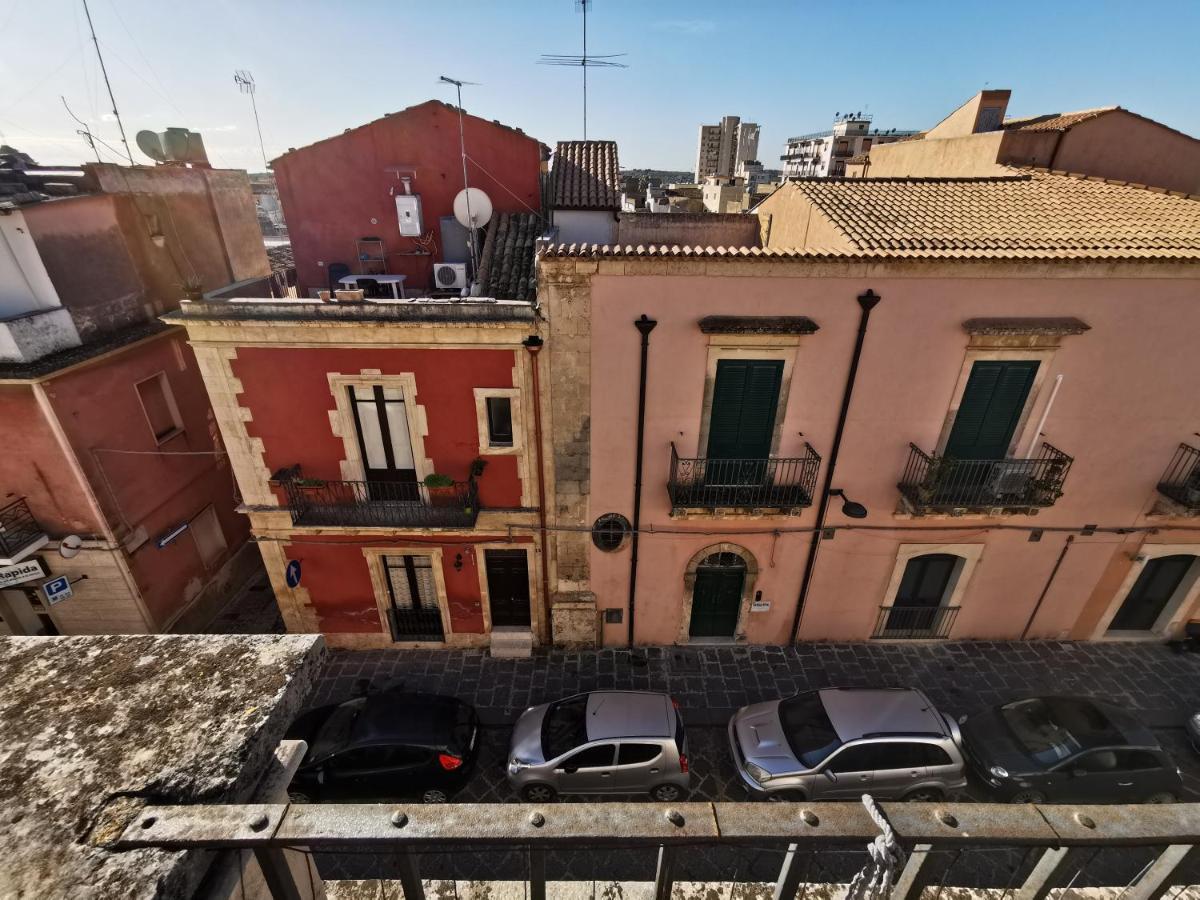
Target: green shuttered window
x,y
742,420
991,408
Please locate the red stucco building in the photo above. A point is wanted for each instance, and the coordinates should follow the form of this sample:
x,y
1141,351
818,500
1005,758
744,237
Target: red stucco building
x,y
343,190
113,474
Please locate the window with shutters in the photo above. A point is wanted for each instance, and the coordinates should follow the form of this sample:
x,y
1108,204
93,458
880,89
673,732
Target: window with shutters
x,y
498,418
158,403
991,408
745,398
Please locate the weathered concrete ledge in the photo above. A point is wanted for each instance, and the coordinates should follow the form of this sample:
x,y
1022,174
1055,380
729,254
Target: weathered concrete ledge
x,y
91,726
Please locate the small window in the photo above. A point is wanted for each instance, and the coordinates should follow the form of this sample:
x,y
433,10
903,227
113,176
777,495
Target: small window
x,y
210,540
633,754
499,417
900,755
609,532
159,406
854,759
599,757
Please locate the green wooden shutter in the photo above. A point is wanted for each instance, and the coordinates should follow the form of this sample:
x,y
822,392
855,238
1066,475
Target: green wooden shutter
x,y
990,410
742,419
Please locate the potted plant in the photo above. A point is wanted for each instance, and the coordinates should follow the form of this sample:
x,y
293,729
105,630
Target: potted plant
x,y
1191,488
193,288
478,464
441,489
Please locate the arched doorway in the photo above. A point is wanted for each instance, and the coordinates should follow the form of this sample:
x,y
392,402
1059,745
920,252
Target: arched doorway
x,y
719,579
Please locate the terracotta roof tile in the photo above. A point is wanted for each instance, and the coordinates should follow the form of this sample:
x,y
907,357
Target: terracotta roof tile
x,y
585,176
1055,121
506,266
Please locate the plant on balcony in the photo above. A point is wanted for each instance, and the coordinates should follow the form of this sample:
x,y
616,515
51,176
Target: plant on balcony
x,y
1045,490
478,464
441,489
937,477
193,288
1191,488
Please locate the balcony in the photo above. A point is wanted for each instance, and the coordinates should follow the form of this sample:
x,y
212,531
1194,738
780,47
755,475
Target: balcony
x,y
1181,481
20,533
914,622
783,485
378,504
940,484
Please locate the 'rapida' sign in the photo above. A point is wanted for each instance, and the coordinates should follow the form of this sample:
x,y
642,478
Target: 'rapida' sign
x,y
22,571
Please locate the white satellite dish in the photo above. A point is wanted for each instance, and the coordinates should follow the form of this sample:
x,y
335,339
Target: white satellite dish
x,y
70,546
481,208
150,143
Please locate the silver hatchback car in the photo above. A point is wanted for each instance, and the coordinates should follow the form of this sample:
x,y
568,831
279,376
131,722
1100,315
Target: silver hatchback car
x,y
603,742
841,743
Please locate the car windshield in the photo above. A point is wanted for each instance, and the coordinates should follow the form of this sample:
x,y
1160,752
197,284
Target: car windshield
x,y
808,729
565,727
1053,729
336,731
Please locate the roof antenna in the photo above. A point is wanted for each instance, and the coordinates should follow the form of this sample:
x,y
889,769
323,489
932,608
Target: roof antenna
x,y
83,132
583,61
245,82
104,72
462,145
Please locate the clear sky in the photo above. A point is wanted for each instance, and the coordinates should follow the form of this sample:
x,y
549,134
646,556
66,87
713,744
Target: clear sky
x,y
322,67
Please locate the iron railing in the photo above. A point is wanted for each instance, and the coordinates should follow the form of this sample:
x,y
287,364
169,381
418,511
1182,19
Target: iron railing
x,y
1181,481
1008,850
416,624
942,483
914,622
18,528
784,483
316,501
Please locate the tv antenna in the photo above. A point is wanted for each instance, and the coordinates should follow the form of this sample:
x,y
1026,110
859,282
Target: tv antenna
x,y
245,82
462,146
107,84
83,132
584,61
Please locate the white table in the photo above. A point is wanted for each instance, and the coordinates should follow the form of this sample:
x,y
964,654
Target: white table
x,y
396,281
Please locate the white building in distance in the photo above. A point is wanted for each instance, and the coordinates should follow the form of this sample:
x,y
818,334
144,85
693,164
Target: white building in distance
x,y
825,153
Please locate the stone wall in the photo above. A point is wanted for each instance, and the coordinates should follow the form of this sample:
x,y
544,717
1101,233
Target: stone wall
x,y
688,229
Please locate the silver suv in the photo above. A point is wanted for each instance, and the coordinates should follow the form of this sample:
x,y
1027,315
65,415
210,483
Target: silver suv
x,y
838,744
604,742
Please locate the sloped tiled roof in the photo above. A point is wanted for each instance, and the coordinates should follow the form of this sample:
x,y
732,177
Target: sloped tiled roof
x,y
1032,215
281,258
585,176
1055,121
506,266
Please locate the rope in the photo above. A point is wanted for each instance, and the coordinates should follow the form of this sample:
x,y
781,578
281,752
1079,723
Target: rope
x,y
875,880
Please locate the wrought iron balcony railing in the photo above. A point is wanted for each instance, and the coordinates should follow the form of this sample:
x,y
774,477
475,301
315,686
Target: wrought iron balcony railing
x,y
20,532
934,483
416,624
783,483
315,501
1181,481
915,622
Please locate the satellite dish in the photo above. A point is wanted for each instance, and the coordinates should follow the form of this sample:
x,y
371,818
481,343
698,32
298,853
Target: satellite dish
x,y
481,208
150,144
70,546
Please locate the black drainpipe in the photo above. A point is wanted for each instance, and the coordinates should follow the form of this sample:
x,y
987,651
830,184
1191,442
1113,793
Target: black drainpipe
x,y
867,302
644,325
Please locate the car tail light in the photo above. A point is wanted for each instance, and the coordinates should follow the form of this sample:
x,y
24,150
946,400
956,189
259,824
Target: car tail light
x,y
683,763
449,762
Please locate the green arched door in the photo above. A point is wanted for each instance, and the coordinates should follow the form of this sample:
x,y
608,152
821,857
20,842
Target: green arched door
x,y
717,596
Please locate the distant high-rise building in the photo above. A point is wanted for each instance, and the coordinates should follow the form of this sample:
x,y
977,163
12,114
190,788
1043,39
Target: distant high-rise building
x,y
825,153
722,148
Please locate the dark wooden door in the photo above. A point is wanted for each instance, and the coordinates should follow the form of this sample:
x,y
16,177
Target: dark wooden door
x,y
717,596
990,409
1151,593
922,590
508,587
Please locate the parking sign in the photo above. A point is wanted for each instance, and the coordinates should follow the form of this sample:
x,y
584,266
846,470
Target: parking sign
x,y
57,590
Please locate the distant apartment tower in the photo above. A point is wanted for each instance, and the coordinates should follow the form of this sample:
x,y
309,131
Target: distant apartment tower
x,y
825,152
723,148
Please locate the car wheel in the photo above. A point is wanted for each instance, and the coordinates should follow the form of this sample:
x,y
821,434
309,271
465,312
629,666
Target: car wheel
x,y
1162,797
786,797
923,795
666,793
434,795
299,797
538,793
1028,797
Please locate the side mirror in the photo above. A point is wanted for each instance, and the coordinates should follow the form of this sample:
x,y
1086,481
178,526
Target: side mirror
x,y
830,774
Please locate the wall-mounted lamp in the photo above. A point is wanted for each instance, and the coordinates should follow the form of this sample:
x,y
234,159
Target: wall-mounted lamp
x,y
458,562
850,509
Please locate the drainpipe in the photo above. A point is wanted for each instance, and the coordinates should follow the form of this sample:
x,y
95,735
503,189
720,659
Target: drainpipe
x,y
533,344
644,325
867,302
1049,581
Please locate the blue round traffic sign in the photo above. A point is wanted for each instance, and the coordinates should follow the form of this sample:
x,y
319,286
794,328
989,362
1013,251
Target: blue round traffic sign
x,y
293,573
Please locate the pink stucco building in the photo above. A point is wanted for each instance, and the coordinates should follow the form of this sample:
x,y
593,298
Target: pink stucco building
x,y
1020,429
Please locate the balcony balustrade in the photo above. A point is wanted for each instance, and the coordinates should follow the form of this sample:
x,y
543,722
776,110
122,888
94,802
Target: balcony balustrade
x,y
315,501
774,483
20,533
1181,481
914,622
932,483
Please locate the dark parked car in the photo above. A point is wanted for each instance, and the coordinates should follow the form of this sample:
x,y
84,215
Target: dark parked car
x,y
1071,750
390,745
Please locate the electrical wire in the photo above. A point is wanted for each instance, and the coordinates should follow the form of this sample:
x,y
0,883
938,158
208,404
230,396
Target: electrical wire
x,y
506,189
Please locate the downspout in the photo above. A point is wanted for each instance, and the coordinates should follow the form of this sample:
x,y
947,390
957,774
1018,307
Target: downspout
x,y
1049,581
533,344
867,302
644,325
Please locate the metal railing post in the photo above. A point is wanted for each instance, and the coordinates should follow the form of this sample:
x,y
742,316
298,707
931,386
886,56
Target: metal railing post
x,y
410,875
537,874
1157,879
277,874
1052,865
664,877
916,875
792,873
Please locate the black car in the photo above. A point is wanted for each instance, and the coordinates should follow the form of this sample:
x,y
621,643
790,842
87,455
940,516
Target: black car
x,y
1070,750
389,745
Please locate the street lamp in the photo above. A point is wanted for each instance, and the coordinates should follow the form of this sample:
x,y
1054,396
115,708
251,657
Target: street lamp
x,y
850,509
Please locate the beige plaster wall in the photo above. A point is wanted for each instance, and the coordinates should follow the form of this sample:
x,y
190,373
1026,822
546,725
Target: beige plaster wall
x,y
1127,147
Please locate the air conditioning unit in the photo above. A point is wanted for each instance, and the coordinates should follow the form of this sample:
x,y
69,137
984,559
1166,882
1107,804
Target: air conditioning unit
x,y
448,276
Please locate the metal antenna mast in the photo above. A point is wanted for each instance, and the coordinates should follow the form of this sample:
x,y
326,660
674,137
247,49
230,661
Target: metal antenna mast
x,y
583,61
462,144
83,132
245,82
104,72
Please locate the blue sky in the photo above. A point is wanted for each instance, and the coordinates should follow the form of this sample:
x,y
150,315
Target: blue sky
x,y
325,66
